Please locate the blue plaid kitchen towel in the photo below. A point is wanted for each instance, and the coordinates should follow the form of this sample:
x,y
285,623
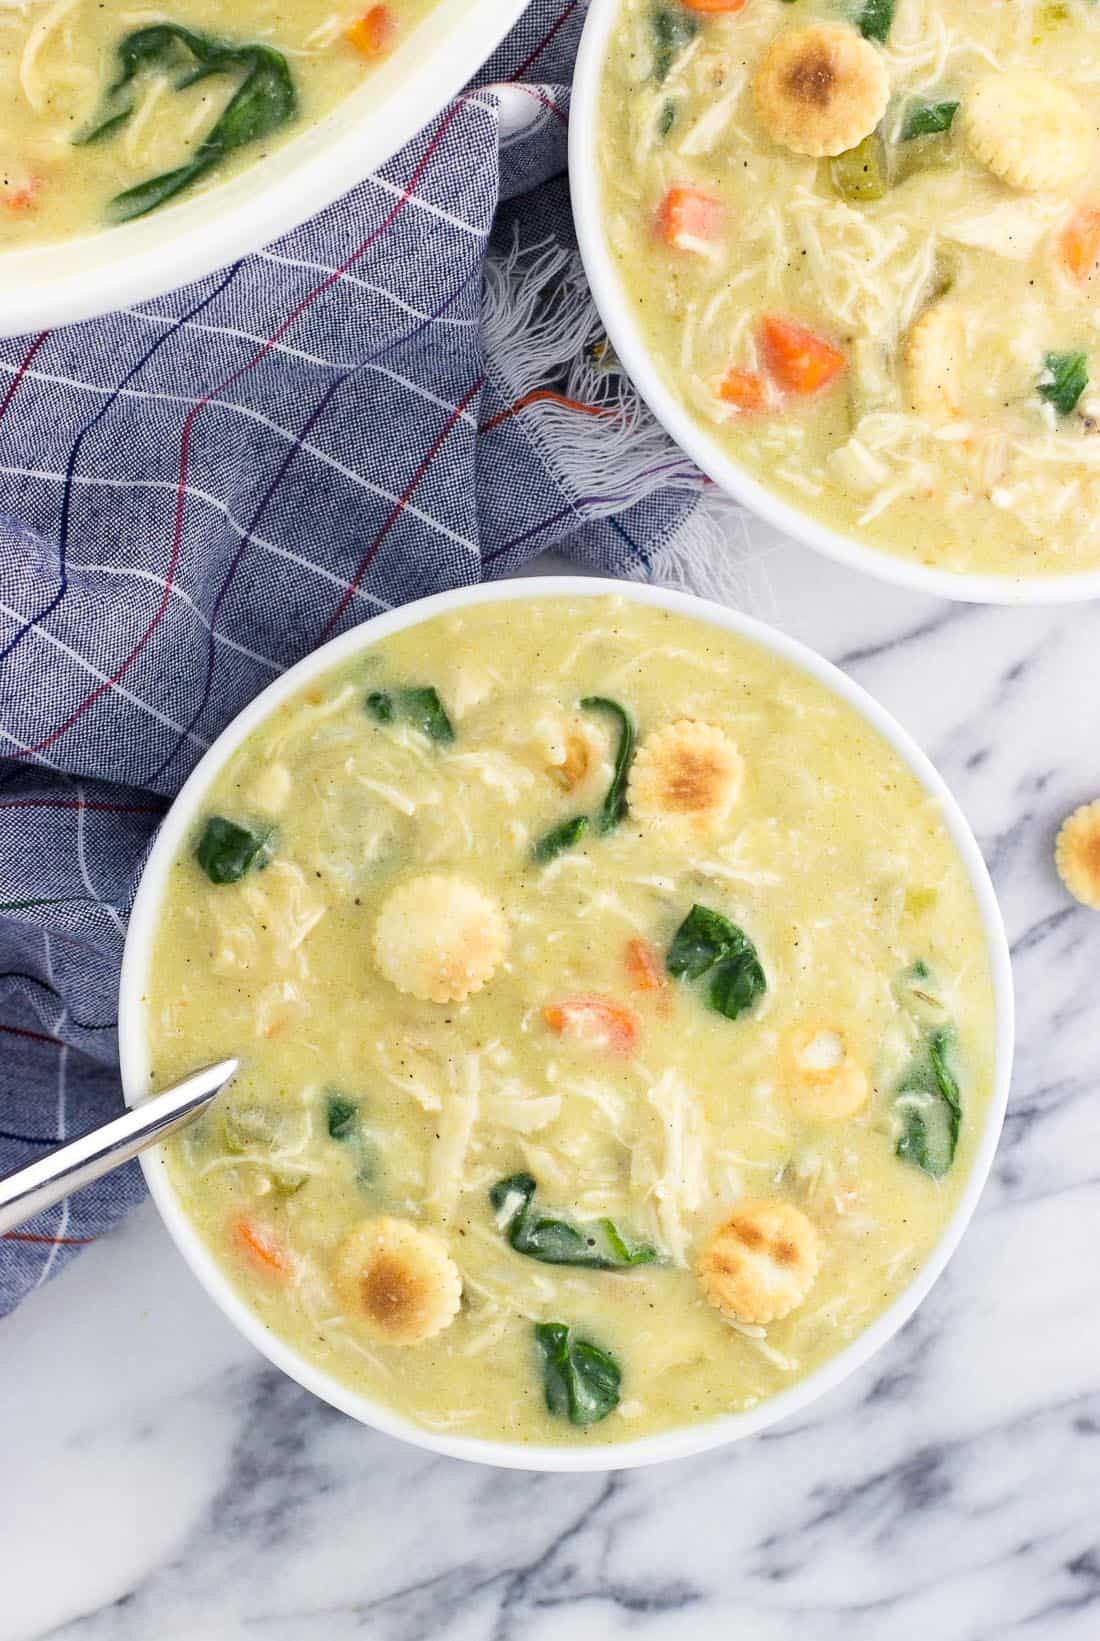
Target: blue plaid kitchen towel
x,y
407,394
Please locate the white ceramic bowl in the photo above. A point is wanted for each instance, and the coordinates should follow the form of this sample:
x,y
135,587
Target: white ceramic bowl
x,y
50,285
617,312
594,1455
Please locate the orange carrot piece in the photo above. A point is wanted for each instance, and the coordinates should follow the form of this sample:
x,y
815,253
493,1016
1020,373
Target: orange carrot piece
x,y
20,199
644,969
687,217
373,33
798,359
707,6
261,1247
608,1024
1079,242
743,389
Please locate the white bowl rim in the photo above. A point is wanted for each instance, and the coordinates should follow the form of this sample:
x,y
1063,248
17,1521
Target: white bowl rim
x,y
684,1441
68,280
614,307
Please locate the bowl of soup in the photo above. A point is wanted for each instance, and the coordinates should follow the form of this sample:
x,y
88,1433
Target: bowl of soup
x,y
624,1017
145,149
849,257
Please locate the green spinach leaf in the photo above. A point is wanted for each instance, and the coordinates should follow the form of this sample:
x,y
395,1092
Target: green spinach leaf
x,y
708,943
920,992
736,983
702,938
613,808
875,18
226,851
926,119
380,706
581,1380
264,100
559,838
666,119
554,1240
343,1119
929,1105
1065,377
419,706
673,29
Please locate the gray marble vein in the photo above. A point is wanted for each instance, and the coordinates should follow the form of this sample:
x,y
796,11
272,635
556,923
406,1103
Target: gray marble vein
x,y
161,1482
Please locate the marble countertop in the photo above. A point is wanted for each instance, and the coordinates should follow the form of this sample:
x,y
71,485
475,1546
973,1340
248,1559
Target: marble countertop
x,y
160,1481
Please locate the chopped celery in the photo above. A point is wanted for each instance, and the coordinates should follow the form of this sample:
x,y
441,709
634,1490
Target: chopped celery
x,y
928,152
862,173
250,1127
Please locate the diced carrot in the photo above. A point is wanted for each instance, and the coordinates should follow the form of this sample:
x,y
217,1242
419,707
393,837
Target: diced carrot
x,y
373,33
1079,242
644,969
20,198
687,218
743,389
798,359
606,1023
261,1246
714,5
574,766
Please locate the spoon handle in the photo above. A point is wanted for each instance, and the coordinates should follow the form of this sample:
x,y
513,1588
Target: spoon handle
x,y
71,1166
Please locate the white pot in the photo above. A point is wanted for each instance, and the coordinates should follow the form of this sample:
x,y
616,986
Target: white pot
x,y
594,1455
619,317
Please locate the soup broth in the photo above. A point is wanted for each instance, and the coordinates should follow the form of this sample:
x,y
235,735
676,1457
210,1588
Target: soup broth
x,y
571,1109
60,58
861,243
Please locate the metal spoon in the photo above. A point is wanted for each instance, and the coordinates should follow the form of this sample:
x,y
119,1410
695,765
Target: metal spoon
x,y
71,1166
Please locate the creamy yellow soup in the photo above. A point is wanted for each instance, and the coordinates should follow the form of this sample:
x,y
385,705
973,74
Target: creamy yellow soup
x,y
589,1088
861,243
77,155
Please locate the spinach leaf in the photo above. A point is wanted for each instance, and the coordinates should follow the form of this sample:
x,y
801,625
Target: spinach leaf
x,y
419,706
344,1123
598,1245
559,838
613,808
702,938
1065,377
673,29
226,851
708,943
925,119
264,100
930,1107
625,1253
875,18
581,1381
736,983
666,119
381,707
343,1117
920,991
